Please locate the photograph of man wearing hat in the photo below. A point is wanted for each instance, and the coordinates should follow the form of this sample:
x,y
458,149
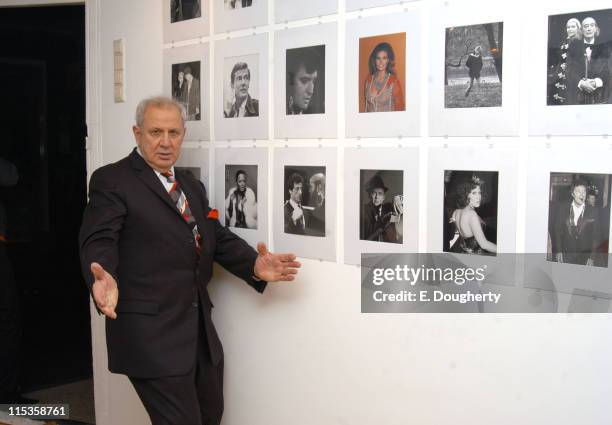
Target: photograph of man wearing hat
x,y
380,221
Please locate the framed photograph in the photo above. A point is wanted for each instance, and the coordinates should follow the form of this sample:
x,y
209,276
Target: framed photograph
x,y
382,75
231,15
306,76
185,19
569,86
241,192
474,62
364,4
380,184
468,186
241,88
186,79
470,212
579,218
292,10
305,202
568,217
196,161
474,58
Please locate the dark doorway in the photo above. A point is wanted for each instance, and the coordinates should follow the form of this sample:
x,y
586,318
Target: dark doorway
x,y
42,80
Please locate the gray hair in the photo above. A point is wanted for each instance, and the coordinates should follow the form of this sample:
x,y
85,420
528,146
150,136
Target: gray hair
x,y
159,102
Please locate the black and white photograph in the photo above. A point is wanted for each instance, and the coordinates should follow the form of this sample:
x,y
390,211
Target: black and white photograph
x,y
473,66
183,10
579,58
240,86
186,88
241,196
579,218
470,212
238,4
304,200
305,80
381,206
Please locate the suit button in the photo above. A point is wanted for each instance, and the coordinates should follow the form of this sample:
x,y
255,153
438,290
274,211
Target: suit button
x,y
194,304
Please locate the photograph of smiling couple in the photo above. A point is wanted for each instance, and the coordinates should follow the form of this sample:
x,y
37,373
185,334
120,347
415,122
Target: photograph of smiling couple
x,y
382,71
470,212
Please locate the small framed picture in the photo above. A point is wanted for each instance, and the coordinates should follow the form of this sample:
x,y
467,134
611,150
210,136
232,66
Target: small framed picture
x,y
383,75
305,202
185,19
241,192
186,79
241,88
231,15
306,75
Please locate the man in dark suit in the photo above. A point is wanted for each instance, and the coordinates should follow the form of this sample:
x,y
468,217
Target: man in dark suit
x,y
380,220
588,72
577,229
295,222
192,95
148,241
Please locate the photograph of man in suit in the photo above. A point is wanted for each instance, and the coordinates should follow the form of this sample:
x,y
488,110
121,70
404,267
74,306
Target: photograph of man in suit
x,y
192,95
182,10
148,242
295,222
577,229
381,221
588,68
242,105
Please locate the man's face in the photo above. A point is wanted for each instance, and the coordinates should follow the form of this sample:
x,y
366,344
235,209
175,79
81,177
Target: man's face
x,y
589,28
181,76
242,80
378,196
579,194
591,200
296,192
241,182
160,136
303,87
189,77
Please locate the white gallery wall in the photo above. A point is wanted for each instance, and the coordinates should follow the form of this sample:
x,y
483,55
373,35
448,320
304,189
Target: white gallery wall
x,y
302,353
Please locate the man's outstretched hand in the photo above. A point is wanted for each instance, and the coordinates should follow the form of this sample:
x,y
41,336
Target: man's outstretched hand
x,y
104,290
275,267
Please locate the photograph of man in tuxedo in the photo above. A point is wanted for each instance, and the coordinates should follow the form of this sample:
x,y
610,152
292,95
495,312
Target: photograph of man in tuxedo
x,y
577,229
148,241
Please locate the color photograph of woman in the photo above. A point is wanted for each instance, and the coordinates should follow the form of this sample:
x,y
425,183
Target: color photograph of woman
x,y
473,66
470,212
382,64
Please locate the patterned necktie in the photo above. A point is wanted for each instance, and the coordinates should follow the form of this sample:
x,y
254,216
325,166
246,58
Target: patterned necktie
x,y
179,198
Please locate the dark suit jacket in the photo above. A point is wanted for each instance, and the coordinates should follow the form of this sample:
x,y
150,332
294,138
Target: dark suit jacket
x,y
134,230
577,243
192,97
578,68
381,230
295,229
251,109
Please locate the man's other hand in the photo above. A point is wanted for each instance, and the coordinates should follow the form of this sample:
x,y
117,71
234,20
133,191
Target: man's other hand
x,y
275,267
104,290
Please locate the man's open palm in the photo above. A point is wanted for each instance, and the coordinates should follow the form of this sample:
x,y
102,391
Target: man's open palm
x,y
104,290
275,267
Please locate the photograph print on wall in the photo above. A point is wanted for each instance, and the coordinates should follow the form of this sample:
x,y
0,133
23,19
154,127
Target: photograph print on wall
x,y
473,66
304,200
240,86
381,206
186,88
579,58
382,71
183,10
238,4
241,196
305,80
579,219
470,212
